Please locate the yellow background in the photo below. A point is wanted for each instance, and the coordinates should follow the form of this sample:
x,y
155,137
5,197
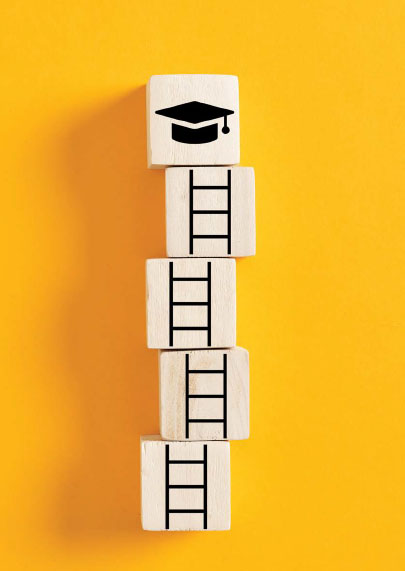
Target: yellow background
x,y
320,484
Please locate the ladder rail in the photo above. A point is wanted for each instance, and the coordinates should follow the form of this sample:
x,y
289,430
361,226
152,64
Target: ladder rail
x,y
205,486
229,211
187,395
167,487
209,304
225,387
191,213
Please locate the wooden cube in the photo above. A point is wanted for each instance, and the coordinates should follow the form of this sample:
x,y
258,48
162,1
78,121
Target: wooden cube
x,y
210,211
204,395
192,120
185,485
191,303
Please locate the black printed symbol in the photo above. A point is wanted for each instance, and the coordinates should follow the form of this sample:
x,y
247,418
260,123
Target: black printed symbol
x,y
193,212
203,486
193,113
172,304
224,395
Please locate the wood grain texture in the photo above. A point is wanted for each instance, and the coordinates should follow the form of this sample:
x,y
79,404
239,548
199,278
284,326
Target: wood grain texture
x,y
177,378
170,90
211,498
187,211
216,319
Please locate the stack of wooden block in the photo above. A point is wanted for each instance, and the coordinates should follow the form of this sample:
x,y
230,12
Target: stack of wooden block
x,y
193,120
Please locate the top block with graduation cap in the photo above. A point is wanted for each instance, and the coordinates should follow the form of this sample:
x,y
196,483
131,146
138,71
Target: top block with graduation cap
x,y
193,120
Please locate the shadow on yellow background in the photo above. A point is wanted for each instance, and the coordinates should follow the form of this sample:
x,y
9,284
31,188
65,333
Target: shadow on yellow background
x,y
113,375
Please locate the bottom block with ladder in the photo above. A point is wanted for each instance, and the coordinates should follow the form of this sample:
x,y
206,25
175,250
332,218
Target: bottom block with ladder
x,y
185,485
204,395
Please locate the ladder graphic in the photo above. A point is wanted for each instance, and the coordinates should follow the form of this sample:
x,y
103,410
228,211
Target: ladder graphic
x,y
193,212
223,396
173,304
202,486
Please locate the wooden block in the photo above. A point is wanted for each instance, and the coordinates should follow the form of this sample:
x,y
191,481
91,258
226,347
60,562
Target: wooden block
x,y
192,120
191,303
185,485
210,211
204,395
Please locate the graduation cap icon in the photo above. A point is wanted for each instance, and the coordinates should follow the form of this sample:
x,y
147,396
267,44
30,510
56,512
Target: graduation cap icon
x,y
195,112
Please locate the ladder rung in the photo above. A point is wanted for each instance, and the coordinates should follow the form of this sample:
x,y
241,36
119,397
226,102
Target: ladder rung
x,y
190,328
210,236
186,511
190,302
206,420
200,187
207,371
187,486
186,461
210,211
205,396
190,279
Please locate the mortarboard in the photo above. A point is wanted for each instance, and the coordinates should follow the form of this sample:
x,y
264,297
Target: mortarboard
x,y
195,112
